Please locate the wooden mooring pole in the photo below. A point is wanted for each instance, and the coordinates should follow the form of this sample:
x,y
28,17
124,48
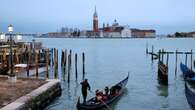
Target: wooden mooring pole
x,y
70,57
36,64
167,62
191,59
76,72
159,55
186,59
147,48
163,55
176,62
83,58
56,73
28,62
55,63
47,63
69,68
52,56
62,59
152,53
65,62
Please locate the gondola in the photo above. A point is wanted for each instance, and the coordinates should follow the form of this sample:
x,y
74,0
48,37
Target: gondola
x,y
190,95
188,74
91,103
162,73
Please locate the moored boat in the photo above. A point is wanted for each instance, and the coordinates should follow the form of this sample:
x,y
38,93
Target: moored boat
x,y
188,74
162,73
190,95
91,104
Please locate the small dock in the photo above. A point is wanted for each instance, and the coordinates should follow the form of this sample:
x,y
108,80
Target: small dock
x,y
31,93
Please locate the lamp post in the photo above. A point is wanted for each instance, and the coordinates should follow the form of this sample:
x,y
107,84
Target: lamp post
x,y
12,76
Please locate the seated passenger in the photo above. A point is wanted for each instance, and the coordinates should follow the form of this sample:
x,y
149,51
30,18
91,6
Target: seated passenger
x,y
115,90
106,90
99,95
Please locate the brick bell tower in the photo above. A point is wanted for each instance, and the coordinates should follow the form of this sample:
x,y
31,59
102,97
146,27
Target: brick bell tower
x,y
95,21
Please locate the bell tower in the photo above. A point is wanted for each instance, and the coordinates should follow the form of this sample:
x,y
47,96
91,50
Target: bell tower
x,y
95,21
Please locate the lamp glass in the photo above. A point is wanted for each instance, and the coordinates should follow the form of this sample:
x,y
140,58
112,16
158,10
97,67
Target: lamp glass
x,y
10,28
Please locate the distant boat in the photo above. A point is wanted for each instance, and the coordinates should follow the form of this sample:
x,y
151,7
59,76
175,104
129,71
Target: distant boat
x,y
188,74
162,73
92,105
190,95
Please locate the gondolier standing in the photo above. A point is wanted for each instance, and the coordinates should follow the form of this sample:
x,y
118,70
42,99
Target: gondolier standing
x,y
85,85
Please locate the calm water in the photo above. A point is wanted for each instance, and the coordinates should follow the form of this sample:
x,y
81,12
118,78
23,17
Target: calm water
x,y
109,60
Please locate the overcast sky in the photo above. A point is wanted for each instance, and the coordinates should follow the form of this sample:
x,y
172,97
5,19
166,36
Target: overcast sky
x,y
166,16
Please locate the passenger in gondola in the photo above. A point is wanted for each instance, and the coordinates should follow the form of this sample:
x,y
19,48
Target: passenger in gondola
x,y
106,90
99,95
114,91
85,86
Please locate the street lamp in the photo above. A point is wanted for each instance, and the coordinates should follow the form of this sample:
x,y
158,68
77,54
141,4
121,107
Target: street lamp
x,y
12,76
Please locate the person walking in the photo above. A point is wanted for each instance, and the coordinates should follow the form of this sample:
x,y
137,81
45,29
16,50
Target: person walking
x,y
85,86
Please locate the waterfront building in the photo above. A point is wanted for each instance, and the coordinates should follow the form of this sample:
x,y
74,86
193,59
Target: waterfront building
x,y
58,34
183,34
139,33
191,34
115,30
92,34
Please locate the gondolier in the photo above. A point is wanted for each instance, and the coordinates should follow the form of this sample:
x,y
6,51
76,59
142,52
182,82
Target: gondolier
x,y
85,86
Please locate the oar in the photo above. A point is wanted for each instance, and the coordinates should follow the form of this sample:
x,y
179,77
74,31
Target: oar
x,y
102,102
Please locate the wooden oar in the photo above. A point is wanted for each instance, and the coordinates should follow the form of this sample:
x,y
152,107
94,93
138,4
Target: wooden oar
x,y
108,107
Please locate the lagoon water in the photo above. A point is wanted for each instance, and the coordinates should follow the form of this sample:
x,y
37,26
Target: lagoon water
x,y
109,60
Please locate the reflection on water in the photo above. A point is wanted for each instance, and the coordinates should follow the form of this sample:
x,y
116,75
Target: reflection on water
x,y
163,90
109,60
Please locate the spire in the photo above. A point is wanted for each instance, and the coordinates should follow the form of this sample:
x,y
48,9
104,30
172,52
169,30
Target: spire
x,y
95,13
95,9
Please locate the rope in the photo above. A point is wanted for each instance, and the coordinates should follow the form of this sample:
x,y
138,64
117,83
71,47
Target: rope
x,y
108,107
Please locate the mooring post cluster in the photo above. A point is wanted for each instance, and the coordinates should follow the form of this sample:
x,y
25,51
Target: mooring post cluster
x,y
160,56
